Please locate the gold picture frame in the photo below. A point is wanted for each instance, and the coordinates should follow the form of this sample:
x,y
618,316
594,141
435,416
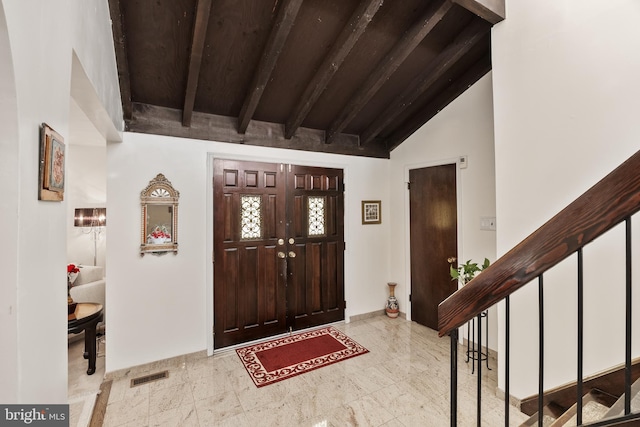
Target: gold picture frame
x,y
371,212
51,165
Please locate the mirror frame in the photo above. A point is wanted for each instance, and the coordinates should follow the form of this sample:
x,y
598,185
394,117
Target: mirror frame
x,y
159,192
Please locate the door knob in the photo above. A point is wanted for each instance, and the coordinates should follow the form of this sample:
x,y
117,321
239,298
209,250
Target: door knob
x,y
281,255
291,240
451,259
292,254
280,242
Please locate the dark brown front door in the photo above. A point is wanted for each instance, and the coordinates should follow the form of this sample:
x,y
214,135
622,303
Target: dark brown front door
x,y
278,249
315,293
433,222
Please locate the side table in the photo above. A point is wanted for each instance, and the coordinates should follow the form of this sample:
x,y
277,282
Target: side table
x,y
86,317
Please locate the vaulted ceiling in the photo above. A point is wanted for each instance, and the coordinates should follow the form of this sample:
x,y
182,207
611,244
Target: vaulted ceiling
x,y
353,77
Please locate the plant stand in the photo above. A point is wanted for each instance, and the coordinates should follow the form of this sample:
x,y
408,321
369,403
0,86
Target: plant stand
x,y
474,349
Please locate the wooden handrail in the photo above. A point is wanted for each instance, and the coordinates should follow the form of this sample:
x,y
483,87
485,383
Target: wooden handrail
x,y
603,206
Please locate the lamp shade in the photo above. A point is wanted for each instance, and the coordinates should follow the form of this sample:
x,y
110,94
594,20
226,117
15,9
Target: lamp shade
x,y
90,217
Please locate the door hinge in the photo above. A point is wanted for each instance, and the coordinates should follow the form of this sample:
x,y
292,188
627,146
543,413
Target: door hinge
x,y
408,186
345,304
409,297
213,257
213,330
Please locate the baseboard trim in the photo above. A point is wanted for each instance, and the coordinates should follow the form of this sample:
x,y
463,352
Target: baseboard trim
x,y
371,314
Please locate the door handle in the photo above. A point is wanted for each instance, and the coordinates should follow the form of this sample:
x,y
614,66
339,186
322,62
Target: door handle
x,y
451,259
292,254
281,255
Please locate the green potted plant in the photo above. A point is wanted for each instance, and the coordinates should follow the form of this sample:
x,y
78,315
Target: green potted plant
x,y
467,271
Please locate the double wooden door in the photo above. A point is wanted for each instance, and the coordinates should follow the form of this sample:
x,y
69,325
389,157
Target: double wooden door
x,y
278,249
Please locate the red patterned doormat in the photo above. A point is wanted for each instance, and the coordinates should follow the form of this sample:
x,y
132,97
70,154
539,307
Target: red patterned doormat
x,y
283,358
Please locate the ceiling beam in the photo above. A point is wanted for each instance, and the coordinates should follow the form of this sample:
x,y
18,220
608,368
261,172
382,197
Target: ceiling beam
x,y
156,120
492,11
277,37
122,62
387,66
203,12
350,34
470,36
439,102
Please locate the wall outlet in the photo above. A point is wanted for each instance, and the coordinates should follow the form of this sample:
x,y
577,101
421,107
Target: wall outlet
x,y
488,223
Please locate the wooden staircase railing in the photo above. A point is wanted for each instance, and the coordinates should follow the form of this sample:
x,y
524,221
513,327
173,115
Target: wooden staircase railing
x,y
610,202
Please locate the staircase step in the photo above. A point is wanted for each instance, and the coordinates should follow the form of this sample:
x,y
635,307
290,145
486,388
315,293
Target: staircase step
x,y
595,405
550,413
618,408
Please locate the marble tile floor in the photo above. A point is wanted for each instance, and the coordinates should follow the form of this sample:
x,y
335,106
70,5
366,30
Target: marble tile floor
x,y
82,388
402,381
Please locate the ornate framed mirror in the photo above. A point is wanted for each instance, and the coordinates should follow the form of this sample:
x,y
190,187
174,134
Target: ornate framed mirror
x,y
159,202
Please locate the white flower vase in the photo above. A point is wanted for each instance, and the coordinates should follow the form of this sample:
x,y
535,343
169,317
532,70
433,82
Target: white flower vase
x,y
392,309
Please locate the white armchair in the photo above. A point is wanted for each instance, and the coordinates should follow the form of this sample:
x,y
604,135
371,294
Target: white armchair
x,y
89,286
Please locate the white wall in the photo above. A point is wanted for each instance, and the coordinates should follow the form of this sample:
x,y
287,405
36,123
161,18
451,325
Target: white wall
x,y
42,37
9,170
161,306
566,96
464,127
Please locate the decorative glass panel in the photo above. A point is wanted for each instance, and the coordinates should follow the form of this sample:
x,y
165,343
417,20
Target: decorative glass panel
x,y
251,217
160,192
316,216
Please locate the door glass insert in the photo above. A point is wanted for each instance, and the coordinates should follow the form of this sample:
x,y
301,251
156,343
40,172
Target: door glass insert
x,y
316,215
250,217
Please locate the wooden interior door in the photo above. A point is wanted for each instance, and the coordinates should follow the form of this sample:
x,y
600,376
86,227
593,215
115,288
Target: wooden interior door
x,y
315,217
249,277
434,238
278,249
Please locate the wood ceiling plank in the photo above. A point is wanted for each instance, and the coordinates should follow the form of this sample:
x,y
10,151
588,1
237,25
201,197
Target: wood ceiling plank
x,y
155,120
444,61
492,11
278,36
203,12
122,63
444,98
350,34
409,41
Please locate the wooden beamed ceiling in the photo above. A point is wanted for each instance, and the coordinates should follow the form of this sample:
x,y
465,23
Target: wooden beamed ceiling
x,y
352,77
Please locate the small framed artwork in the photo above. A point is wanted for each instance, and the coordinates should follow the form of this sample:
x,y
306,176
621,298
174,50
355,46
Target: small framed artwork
x,y
371,212
52,169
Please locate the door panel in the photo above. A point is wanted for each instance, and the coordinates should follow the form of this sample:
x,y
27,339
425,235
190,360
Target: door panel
x,y
249,278
433,222
316,223
258,293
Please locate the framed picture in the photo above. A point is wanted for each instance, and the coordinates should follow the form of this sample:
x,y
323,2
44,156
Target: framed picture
x,y
371,212
52,169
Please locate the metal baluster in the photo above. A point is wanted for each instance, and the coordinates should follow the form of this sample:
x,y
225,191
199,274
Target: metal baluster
x,y
506,363
627,368
454,377
580,337
541,350
479,399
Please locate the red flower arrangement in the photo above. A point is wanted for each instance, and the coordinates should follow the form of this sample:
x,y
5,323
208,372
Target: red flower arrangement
x,y
159,235
72,273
